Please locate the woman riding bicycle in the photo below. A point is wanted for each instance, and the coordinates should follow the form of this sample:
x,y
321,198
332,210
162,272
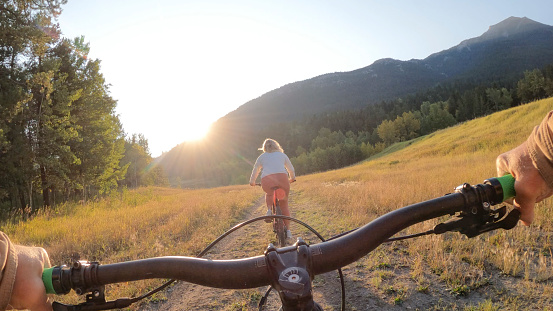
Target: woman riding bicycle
x,y
276,171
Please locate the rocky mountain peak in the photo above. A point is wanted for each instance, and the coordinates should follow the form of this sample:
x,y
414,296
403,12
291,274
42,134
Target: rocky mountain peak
x,y
511,26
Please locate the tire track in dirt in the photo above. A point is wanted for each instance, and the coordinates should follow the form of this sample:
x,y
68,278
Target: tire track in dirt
x,y
248,241
251,240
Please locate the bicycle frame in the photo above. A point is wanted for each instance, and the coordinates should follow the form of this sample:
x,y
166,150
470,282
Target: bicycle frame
x,y
279,227
291,269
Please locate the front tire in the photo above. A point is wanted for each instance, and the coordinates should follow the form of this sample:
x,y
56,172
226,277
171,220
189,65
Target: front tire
x,y
281,233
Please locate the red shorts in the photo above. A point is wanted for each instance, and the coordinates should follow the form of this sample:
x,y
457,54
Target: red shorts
x,y
276,180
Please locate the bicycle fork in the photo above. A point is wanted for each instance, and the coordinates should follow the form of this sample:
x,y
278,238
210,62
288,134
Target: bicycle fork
x,y
291,273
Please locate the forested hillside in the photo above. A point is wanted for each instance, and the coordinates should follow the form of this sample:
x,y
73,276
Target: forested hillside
x,y
60,138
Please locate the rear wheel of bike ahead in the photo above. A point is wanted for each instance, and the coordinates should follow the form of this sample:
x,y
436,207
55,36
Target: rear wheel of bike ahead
x,y
279,227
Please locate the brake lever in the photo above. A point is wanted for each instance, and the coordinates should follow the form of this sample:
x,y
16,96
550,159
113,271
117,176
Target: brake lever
x,y
472,226
87,306
508,222
95,301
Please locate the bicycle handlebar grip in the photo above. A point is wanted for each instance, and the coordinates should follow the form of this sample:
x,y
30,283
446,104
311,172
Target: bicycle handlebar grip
x,y
508,184
47,280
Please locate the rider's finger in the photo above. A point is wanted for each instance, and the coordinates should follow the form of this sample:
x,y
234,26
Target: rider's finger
x,y
502,165
526,207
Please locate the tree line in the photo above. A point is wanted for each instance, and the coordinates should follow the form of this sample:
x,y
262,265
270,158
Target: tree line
x,y
60,138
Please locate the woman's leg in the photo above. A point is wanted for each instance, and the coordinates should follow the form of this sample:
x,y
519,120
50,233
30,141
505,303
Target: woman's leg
x,y
281,180
267,186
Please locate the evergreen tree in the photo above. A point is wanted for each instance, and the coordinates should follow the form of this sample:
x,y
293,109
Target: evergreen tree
x,y
58,130
499,99
99,145
532,86
137,158
29,114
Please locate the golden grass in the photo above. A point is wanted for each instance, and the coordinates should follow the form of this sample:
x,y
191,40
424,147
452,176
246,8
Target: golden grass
x,y
430,167
144,223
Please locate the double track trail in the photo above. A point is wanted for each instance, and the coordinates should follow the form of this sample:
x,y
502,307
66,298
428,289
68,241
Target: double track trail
x,y
251,240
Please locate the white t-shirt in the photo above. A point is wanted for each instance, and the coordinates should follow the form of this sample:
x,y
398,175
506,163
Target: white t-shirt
x,y
272,163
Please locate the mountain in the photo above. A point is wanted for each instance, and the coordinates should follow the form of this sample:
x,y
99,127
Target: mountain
x,y
504,51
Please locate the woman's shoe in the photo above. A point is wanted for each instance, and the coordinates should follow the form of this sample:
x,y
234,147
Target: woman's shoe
x,y
269,213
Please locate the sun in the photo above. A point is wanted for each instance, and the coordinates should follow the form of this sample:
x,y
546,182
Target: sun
x,y
194,131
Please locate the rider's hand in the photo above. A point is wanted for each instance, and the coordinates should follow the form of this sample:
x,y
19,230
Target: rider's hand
x,y
28,289
252,184
530,186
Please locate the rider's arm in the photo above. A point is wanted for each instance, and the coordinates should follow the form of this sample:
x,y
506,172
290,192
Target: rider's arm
x,y
21,285
531,164
290,168
540,148
8,262
256,170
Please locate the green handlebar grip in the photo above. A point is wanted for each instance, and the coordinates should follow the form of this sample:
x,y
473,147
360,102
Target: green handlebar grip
x,y
508,184
47,280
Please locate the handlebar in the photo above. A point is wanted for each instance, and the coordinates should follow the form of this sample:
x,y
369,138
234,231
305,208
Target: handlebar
x,y
471,204
508,185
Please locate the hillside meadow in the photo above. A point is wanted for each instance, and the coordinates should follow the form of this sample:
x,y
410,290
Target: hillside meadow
x,y
150,222
429,167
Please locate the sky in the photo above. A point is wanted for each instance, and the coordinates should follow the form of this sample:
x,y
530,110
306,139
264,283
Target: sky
x,y
176,66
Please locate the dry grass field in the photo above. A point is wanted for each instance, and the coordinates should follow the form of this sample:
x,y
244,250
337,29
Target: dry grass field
x,y
136,224
153,222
